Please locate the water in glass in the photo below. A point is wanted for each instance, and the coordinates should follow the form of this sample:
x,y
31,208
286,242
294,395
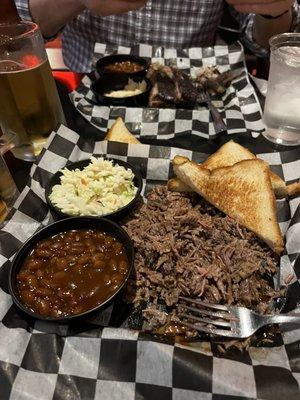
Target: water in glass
x,y
281,114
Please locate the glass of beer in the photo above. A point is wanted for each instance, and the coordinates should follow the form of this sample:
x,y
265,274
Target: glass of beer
x,y
29,103
8,189
281,114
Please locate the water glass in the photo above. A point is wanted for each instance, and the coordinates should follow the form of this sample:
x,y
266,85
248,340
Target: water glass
x,y
281,114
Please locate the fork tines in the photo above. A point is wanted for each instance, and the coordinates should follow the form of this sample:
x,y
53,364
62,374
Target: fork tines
x,y
205,317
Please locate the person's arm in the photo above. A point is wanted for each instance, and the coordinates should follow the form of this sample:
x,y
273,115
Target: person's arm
x,y
53,15
263,28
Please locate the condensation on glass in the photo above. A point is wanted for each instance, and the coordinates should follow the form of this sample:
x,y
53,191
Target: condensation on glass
x,y
281,113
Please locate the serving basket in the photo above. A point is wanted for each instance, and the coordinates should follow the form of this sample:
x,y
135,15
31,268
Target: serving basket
x,y
239,105
101,356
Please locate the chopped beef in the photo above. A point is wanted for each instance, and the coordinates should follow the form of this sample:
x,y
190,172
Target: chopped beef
x,y
171,87
215,82
155,317
184,246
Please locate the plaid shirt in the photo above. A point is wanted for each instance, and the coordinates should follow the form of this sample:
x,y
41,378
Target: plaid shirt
x,y
168,23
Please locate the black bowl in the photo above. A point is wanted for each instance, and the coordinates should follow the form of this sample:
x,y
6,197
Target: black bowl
x,y
103,225
116,215
109,82
104,61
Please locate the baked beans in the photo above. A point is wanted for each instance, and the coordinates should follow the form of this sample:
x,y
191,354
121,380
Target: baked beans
x,y
72,272
124,67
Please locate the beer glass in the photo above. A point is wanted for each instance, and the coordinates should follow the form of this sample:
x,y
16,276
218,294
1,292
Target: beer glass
x,y
8,189
281,114
29,104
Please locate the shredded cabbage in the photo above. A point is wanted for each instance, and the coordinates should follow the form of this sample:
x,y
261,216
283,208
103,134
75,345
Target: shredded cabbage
x,y
100,188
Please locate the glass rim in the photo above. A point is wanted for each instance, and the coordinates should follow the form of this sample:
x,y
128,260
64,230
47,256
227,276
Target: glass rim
x,y
281,38
25,35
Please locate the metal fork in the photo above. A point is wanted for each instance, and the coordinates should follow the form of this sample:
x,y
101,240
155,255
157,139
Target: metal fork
x,y
218,122
230,321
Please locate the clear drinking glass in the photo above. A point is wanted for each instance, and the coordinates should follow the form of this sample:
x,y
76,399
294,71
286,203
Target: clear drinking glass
x,y
29,103
8,189
282,107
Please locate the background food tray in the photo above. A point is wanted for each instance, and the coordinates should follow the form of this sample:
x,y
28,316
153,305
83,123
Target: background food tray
x,y
85,360
239,105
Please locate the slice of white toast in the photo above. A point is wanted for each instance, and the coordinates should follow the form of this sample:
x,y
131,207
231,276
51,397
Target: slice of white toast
x,y
176,185
119,133
243,191
229,154
293,189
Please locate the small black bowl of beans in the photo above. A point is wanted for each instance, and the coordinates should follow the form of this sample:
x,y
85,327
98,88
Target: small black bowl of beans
x,y
122,64
71,268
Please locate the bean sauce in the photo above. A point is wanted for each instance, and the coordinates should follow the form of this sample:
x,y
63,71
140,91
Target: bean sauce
x,y
72,272
124,67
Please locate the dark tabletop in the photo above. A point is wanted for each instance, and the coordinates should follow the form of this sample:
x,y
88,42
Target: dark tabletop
x,y
75,121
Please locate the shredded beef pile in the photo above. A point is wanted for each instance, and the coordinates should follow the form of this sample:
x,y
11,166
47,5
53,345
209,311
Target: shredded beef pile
x,y
184,246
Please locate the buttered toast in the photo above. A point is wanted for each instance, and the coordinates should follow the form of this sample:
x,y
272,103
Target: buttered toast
x,y
243,191
229,154
119,133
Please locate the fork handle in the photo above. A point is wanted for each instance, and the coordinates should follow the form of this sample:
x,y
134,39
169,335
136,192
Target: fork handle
x,y
219,124
282,319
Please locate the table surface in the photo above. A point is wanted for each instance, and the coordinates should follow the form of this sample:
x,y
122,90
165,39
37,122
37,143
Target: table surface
x,y
20,169
61,370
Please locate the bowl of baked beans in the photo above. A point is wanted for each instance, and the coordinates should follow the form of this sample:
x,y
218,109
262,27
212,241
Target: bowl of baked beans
x,y
71,268
122,64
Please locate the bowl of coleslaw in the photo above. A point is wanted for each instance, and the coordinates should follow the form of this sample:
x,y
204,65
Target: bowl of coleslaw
x,y
98,187
122,90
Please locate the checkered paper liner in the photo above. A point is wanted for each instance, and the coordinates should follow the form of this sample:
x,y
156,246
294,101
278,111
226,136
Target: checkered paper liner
x,y
239,106
46,361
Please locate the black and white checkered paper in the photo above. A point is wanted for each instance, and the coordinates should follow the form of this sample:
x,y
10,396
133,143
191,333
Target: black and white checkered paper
x,y
84,360
239,105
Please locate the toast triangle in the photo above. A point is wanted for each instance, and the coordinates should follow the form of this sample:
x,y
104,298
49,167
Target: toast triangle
x,y
176,185
243,191
293,188
231,153
228,154
119,133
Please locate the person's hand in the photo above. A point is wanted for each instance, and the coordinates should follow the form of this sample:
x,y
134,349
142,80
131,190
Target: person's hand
x,y
269,7
109,7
